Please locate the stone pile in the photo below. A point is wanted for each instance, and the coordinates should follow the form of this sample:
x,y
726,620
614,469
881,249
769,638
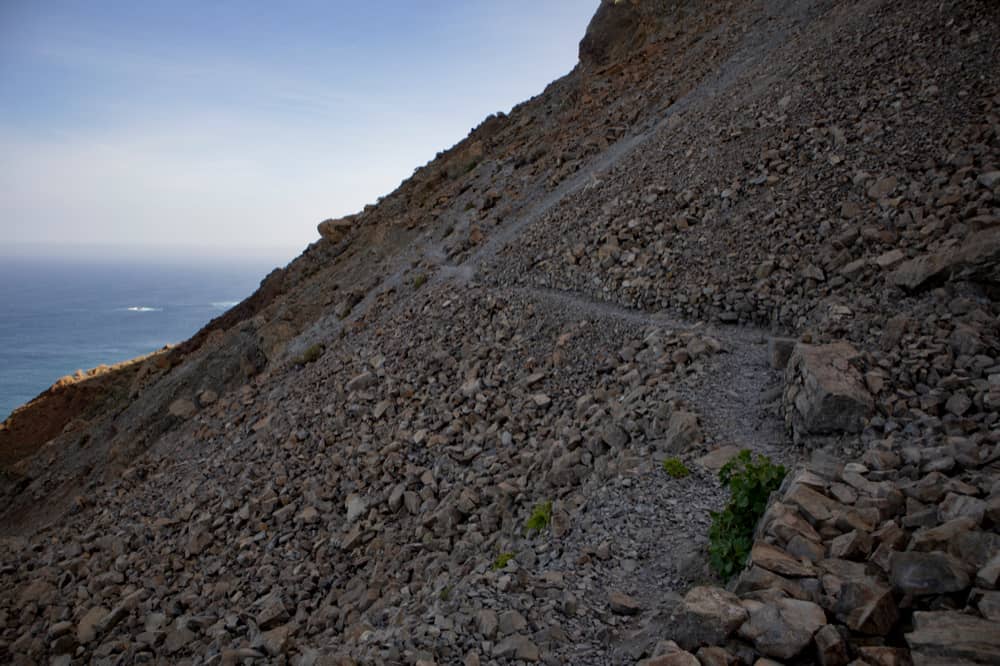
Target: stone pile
x,y
441,435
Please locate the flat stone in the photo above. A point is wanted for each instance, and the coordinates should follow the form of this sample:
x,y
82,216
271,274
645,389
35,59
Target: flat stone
x,y
778,561
977,257
716,459
816,507
889,259
951,635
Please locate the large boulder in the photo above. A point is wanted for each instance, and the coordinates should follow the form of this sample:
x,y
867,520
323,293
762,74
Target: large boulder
x,y
978,258
824,393
683,433
708,616
783,629
335,230
952,636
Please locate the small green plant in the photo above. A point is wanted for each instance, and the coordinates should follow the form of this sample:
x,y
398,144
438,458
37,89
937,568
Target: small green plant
x,y
751,481
502,560
445,593
675,468
540,517
310,355
419,280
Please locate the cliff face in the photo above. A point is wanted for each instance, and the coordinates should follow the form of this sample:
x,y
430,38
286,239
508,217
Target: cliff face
x,y
346,463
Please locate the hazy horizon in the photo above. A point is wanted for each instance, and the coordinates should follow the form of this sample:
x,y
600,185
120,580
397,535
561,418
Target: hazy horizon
x,y
241,126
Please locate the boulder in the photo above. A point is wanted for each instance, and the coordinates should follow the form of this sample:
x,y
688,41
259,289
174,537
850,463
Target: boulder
x,y
683,433
824,393
978,258
182,408
335,230
927,573
782,629
708,616
950,636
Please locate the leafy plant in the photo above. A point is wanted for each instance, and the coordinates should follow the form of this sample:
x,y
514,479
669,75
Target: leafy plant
x,y
675,468
502,560
419,281
540,517
751,481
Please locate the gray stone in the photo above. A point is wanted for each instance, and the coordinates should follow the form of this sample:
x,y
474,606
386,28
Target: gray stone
x,y
943,636
517,647
783,629
683,433
825,393
927,573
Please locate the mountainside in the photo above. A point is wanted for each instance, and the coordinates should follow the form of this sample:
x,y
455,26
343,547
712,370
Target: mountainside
x,y
439,435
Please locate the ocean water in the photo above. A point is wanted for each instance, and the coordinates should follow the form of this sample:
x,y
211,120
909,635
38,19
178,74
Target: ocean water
x,y
58,315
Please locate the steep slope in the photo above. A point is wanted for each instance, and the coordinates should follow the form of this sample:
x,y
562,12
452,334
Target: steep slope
x,y
536,319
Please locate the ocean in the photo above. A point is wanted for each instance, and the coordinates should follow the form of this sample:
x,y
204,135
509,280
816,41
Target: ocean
x,y
58,315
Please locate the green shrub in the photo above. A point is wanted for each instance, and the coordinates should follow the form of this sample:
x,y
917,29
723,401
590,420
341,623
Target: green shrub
x,y
540,517
502,560
750,483
310,355
419,281
675,468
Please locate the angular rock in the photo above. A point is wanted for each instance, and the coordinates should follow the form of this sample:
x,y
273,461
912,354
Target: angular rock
x,y
940,636
716,459
623,604
517,647
682,434
978,258
825,394
778,561
927,573
831,648
708,616
783,629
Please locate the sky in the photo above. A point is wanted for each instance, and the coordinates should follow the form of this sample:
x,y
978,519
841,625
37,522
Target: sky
x,y
217,124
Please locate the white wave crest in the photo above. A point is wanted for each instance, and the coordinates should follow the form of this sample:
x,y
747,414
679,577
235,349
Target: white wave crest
x,y
224,305
143,308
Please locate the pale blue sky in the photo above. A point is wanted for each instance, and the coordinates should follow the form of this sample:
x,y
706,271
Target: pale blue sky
x,y
218,123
